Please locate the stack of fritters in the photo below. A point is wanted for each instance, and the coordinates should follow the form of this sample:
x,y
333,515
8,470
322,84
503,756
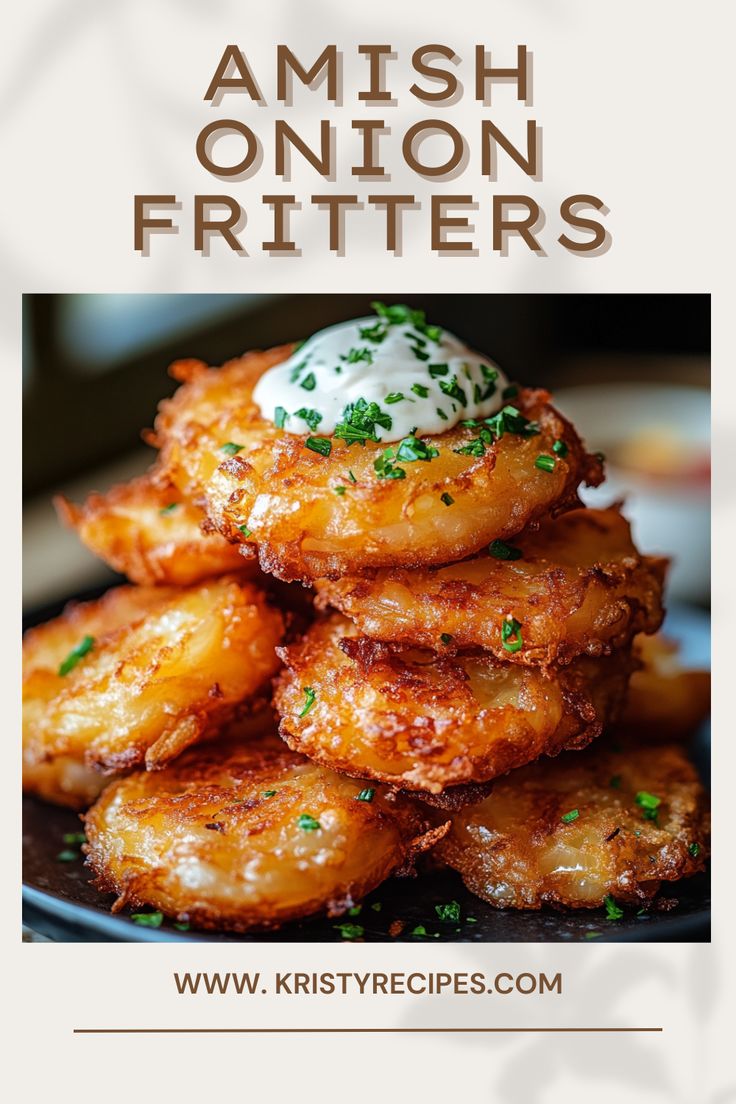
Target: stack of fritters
x,y
471,619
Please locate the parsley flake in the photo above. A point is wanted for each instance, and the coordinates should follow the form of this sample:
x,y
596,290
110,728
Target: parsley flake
x,y
449,913
359,421
311,417
309,382
500,550
350,931
385,467
307,823
613,912
453,389
412,448
649,804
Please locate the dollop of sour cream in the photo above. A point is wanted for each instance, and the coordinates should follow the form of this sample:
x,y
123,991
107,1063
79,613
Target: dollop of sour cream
x,y
422,379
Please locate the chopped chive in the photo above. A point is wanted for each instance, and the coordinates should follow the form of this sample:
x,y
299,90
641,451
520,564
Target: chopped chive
x,y
168,509
446,638
649,804
279,417
309,382
245,530
355,910
447,499
560,448
420,390
454,390
441,414
322,445
500,550
350,931
376,906
311,417
366,795
568,818
511,634
75,839
230,448
67,856
148,919
182,925
545,463
412,448
307,823
309,699
694,850
436,370
449,913
394,397
82,649
339,490
613,912
268,793
351,477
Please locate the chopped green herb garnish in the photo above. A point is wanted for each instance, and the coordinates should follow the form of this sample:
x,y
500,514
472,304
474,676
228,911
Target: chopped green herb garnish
x,y
355,356
510,420
470,920
545,463
245,530
592,935
365,795
279,417
473,448
311,417
615,782
355,910
350,931
399,314
359,421
441,414
385,467
375,333
412,448
420,390
322,445
436,370
694,850
309,700
613,912
148,919
419,930
511,635
230,448
560,448
649,804
568,818
449,913
296,371
453,389
447,499
74,839
307,823
309,382
510,392
168,509
446,638
351,477
85,645
268,793
182,925
376,906
67,856
500,550
339,490
394,397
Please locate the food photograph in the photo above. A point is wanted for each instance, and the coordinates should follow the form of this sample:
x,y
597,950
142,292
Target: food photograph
x,y
366,618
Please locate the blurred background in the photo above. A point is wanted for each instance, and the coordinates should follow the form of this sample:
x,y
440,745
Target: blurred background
x,y
632,371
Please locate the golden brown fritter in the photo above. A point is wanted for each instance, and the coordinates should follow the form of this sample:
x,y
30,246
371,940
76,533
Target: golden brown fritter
x,y
152,534
588,825
238,836
63,780
145,671
423,721
666,701
577,585
280,495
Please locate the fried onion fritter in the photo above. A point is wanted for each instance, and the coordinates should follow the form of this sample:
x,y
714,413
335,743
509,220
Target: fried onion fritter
x,y
313,515
143,672
588,825
577,585
153,535
243,835
666,701
422,721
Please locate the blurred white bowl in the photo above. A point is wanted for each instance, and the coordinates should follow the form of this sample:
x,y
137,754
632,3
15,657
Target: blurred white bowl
x,y
669,515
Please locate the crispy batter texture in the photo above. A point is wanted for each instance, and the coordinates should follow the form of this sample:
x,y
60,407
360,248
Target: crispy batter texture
x,y
215,839
150,532
64,780
580,587
423,721
165,667
515,851
666,701
284,494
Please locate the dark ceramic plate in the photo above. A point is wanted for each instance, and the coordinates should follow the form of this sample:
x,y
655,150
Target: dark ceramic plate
x,y
59,902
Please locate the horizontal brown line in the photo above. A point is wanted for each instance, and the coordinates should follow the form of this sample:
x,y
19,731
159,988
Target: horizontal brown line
x,y
345,1030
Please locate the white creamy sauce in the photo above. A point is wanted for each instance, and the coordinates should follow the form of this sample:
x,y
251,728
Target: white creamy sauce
x,y
423,379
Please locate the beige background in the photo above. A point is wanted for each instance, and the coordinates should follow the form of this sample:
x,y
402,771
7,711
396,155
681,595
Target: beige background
x,y
100,100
